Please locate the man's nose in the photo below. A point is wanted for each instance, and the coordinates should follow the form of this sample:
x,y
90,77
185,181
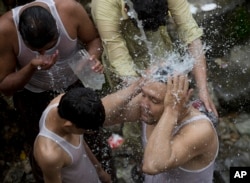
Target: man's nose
x,y
145,103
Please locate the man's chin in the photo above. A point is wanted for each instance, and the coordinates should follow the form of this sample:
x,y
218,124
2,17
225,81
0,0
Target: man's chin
x,y
147,120
144,118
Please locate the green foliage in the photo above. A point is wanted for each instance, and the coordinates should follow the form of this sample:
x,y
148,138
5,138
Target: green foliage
x,y
238,27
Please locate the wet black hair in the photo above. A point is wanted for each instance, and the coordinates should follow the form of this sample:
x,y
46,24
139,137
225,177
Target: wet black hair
x,y
162,73
83,107
152,13
37,27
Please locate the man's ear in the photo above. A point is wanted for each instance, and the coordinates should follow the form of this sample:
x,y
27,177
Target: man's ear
x,y
68,123
189,94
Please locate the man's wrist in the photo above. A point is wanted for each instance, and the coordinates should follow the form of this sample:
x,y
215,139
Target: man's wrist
x,y
172,110
35,67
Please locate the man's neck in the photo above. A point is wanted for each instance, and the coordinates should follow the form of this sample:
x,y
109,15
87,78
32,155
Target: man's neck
x,y
55,123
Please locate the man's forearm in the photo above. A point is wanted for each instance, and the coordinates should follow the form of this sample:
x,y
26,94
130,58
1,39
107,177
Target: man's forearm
x,y
200,67
95,48
118,104
158,154
17,80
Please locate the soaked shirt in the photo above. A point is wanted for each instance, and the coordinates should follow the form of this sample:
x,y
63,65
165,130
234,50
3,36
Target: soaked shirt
x,y
60,75
124,52
81,169
182,175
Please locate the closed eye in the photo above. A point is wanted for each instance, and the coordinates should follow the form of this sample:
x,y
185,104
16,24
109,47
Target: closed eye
x,y
154,100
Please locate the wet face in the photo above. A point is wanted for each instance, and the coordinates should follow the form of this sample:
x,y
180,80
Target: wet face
x,y
152,103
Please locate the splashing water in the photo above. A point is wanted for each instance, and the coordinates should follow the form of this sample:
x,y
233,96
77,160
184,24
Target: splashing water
x,y
132,14
209,7
173,62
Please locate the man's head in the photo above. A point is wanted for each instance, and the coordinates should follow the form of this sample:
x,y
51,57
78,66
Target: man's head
x,y
37,27
151,13
83,108
154,90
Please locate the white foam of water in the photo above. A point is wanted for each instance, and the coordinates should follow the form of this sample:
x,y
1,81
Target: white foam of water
x,y
193,9
173,62
132,13
209,7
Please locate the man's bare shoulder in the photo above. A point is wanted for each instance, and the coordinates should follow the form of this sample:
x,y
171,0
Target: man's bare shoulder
x,y
7,26
72,13
8,44
68,5
49,157
48,153
199,133
56,99
198,124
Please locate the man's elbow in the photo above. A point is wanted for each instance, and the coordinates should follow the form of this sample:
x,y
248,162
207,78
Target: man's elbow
x,y
6,93
150,168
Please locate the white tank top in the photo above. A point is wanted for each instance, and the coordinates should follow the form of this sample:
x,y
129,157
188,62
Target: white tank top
x,y
60,75
81,169
181,175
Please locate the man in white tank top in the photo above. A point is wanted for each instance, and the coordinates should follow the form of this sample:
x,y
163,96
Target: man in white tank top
x,y
180,142
60,151
42,35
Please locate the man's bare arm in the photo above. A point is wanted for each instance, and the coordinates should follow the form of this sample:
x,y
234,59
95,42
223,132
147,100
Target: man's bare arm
x,y
123,105
50,160
103,175
200,74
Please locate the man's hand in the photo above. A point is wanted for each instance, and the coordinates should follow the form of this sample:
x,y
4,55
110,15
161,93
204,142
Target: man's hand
x,y
178,92
97,66
44,62
205,97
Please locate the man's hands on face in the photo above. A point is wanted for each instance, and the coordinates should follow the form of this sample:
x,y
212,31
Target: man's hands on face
x,y
44,62
178,92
